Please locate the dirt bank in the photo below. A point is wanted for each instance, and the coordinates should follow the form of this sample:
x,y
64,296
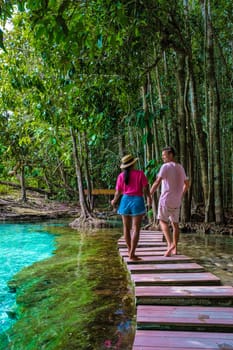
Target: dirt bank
x,y
36,207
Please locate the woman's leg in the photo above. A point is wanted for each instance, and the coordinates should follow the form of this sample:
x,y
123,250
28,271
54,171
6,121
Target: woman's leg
x,y
136,226
127,223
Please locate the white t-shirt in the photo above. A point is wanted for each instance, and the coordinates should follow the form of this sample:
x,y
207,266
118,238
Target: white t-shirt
x,y
173,177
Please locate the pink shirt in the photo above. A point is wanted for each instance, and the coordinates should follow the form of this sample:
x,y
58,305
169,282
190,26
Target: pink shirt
x,y
173,177
137,180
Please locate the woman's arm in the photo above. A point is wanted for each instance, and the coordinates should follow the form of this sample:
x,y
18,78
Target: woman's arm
x,y
155,185
116,197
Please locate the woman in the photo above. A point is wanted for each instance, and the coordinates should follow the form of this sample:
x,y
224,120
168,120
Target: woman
x,y
133,185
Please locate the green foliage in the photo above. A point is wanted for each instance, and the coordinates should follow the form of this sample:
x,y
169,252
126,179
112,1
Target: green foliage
x,y
152,169
82,65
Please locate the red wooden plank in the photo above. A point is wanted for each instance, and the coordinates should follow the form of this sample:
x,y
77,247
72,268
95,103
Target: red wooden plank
x,y
185,291
200,278
147,237
204,318
172,340
184,295
151,244
151,232
152,235
143,245
158,259
150,268
156,240
143,241
148,249
179,312
141,254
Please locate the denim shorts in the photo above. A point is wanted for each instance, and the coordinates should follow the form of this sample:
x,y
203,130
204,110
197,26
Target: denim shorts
x,y
131,205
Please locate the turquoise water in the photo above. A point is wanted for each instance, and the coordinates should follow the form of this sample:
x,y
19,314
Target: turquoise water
x,y
81,298
20,245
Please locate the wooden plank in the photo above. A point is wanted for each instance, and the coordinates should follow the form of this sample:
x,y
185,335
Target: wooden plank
x,y
200,278
147,249
142,254
150,268
172,340
195,318
143,241
184,295
151,239
145,236
122,245
158,259
143,245
153,232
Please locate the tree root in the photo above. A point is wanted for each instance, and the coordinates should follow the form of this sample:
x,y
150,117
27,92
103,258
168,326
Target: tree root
x,y
89,222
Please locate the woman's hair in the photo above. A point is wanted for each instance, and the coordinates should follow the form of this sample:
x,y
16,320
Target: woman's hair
x,y
126,175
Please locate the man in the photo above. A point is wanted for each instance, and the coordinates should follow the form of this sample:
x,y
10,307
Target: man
x,y
174,184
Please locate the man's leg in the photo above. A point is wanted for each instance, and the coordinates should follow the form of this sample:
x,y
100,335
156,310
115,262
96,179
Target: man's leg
x,y
136,226
165,228
176,233
127,223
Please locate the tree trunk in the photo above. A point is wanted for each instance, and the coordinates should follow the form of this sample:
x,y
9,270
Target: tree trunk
x,y
121,141
180,76
165,125
85,211
200,136
190,157
22,183
67,187
214,120
84,152
145,91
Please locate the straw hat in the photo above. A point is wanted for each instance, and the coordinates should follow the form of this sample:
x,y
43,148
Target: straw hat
x,y
127,160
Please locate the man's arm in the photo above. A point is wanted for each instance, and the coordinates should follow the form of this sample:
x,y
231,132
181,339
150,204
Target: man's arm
x,y
155,185
186,186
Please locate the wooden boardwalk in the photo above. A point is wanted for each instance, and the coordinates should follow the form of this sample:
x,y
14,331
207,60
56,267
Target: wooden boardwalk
x,y
179,304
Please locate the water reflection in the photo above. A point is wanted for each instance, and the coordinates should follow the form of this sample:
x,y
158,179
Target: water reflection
x,y
214,252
